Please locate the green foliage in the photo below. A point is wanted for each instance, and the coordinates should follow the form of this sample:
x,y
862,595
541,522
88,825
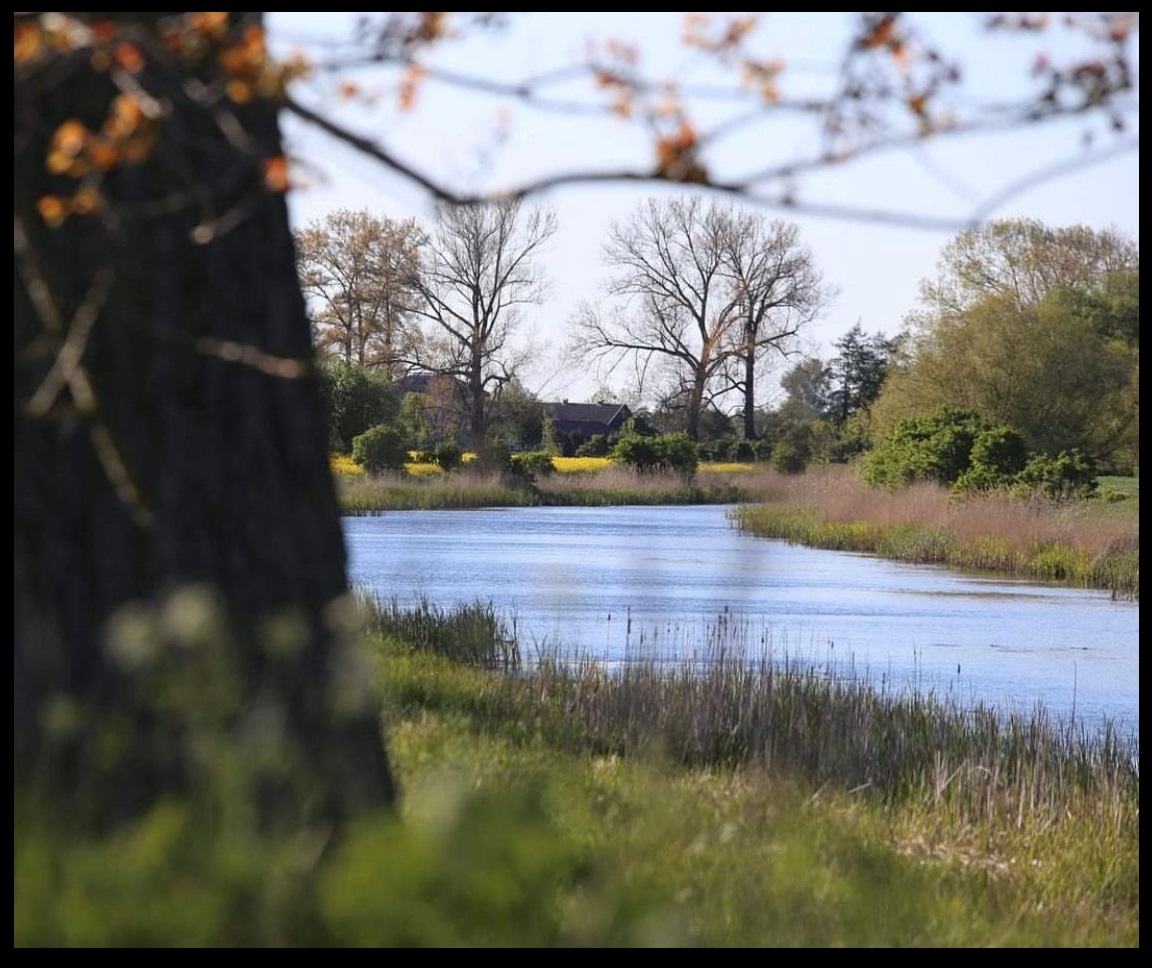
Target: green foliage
x,y
448,456
1037,329
960,448
595,446
789,457
663,452
998,456
354,400
531,465
856,374
380,449
1063,477
936,447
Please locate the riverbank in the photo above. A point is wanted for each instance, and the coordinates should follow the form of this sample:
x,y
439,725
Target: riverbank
x,y
564,807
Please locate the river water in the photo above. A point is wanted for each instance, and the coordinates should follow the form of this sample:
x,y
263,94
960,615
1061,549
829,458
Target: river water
x,y
669,583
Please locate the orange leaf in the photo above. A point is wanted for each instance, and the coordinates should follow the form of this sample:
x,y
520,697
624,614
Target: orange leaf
x,y
410,86
128,56
27,42
102,155
70,137
86,201
52,209
881,33
276,173
239,91
213,24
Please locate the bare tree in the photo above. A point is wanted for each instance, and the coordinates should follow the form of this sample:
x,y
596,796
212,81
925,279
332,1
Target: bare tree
x,y
477,271
702,291
779,292
357,271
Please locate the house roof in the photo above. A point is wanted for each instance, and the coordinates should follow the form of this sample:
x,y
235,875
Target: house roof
x,y
607,414
588,419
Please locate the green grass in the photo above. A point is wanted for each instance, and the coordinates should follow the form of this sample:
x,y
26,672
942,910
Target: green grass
x,y
737,804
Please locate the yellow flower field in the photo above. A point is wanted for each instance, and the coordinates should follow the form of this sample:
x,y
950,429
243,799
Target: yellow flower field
x,y
581,465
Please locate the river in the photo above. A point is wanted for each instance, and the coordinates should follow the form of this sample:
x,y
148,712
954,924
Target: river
x,y
665,583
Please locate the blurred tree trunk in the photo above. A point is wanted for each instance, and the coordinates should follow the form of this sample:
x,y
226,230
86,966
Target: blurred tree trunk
x,y
171,472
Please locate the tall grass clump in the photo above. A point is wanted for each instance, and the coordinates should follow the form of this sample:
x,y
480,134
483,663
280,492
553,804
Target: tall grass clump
x,y
829,729
472,634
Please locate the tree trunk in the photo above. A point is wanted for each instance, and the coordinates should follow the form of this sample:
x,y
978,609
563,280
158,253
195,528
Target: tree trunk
x,y
179,566
750,391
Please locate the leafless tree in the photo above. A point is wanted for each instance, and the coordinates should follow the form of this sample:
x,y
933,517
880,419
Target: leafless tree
x,y
779,291
478,269
700,292
357,271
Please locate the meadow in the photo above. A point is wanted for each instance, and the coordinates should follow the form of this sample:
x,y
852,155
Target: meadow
x,y
751,806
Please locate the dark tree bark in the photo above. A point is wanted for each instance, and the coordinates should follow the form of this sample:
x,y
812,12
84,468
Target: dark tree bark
x,y
170,452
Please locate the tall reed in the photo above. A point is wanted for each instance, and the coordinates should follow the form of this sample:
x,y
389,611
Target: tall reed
x,y
1080,543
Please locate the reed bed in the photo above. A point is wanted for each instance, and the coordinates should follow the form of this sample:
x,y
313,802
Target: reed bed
x,y
400,491
616,486
739,703
622,485
1081,543
469,634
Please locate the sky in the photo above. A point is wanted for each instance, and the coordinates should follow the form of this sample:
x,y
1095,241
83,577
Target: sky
x,y
875,259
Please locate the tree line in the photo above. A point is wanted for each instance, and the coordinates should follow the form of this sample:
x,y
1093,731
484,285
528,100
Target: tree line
x,y
1032,327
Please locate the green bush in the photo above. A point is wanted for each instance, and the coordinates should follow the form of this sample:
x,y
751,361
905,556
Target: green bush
x,y
532,464
934,447
380,449
998,455
788,458
1067,475
663,452
354,400
448,456
595,446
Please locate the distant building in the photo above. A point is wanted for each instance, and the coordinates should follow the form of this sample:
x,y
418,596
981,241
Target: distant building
x,y
575,423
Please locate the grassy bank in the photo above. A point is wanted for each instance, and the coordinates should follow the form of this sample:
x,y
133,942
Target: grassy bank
x,y
562,806
1093,544
593,482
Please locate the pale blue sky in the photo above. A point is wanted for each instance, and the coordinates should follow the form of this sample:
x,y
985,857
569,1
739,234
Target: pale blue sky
x,y
478,143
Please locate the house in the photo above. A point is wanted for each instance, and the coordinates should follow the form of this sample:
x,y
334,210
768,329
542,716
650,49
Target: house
x,y
575,423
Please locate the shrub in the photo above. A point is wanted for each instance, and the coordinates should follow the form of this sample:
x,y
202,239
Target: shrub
x,y
380,449
531,464
1067,475
448,456
935,447
788,458
663,452
595,446
998,455
354,400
